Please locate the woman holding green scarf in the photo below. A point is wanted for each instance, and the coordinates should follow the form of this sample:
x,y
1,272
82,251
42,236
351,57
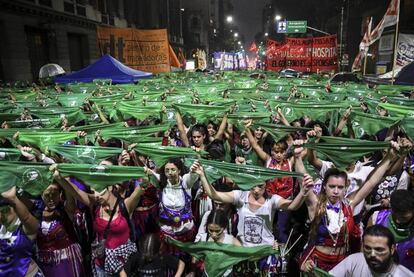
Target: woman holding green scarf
x,y
17,237
333,231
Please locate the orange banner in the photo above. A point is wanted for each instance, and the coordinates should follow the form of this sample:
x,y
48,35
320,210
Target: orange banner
x,y
146,50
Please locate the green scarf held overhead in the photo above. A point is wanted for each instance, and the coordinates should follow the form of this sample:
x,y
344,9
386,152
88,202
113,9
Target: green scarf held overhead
x,y
279,131
79,154
370,123
316,111
408,125
398,110
33,178
344,151
72,115
218,257
35,123
134,134
139,112
100,177
43,139
238,118
202,113
245,176
72,100
160,154
9,154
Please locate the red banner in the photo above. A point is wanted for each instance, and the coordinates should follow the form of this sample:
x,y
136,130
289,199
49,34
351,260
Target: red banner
x,y
303,54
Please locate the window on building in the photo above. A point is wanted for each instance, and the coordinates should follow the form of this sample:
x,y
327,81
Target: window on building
x,y
75,6
45,3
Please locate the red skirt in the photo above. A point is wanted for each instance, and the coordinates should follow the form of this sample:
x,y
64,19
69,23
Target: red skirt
x,y
323,261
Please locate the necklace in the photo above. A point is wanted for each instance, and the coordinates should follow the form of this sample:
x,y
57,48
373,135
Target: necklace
x,y
335,236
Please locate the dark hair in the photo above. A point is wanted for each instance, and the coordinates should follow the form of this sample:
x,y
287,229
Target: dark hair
x,y
215,127
313,123
334,172
218,217
180,166
199,128
216,150
149,248
114,142
402,201
381,231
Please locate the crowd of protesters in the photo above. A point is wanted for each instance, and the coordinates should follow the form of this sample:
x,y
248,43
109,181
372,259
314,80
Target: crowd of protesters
x,y
318,217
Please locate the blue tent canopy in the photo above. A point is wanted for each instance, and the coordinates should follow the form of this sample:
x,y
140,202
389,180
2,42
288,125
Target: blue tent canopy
x,y
106,67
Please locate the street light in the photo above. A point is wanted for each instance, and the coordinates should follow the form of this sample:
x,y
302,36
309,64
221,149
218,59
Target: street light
x,y
236,35
266,34
239,42
229,19
278,17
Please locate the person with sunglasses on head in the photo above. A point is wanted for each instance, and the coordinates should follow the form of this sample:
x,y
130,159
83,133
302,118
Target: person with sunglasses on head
x,y
17,237
256,210
378,257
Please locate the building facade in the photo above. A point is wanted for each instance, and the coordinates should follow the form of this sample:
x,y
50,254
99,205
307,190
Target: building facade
x,y
37,32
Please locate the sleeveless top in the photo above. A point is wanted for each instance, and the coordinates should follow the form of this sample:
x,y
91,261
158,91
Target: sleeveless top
x,y
174,217
281,186
118,233
323,237
15,253
405,249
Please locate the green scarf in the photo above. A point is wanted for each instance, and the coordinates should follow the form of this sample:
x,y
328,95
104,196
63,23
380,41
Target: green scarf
x,y
33,178
43,139
202,113
279,131
9,154
99,176
133,134
72,100
139,112
160,154
408,125
245,176
218,257
370,123
399,235
398,110
343,151
85,154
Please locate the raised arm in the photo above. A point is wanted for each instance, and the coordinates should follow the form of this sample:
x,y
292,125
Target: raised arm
x,y
313,159
291,205
73,190
282,117
402,147
132,201
222,128
181,129
30,223
225,197
262,154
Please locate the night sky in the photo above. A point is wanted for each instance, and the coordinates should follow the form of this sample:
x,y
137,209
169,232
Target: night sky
x,y
248,17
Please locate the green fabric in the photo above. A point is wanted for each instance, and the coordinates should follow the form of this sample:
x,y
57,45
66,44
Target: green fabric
x,y
73,115
35,123
398,110
31,177
399,236
316,111
317,272
138,112
238,118
85,154
370,123
408,125
72,100
160,154
218,257
245,176
99,176
202,113
9,154
133,134
279,131
344,151
43,139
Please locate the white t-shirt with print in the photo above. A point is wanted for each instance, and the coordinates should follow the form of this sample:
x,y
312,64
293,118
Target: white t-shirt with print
x,y
255,226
